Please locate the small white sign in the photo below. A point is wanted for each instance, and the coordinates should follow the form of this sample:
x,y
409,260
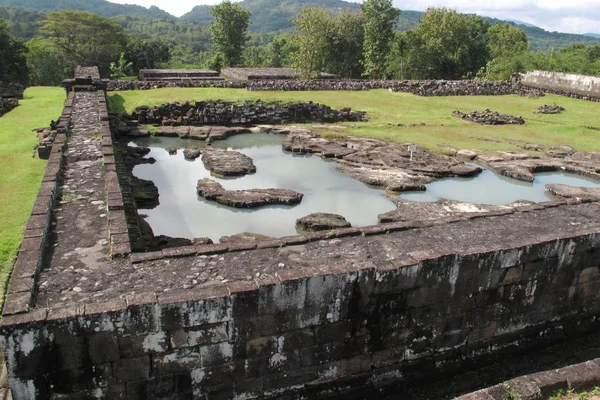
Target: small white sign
x,y
412,148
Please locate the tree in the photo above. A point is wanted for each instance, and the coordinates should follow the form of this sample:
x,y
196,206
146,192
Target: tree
x,y
446,45
13,64
506,40
380,17
311,37
46,65
121,68
84,38
229,31
345,43
147,54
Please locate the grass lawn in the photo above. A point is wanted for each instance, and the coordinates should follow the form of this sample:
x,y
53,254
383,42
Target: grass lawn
x,y
387,109
20,173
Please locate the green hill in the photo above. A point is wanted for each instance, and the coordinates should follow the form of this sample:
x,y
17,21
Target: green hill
x,y
268,17
101,7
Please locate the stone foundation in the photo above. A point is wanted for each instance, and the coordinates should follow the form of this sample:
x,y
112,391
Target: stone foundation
x,y
348,313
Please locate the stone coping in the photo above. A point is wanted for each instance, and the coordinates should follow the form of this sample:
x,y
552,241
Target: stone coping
x,y
542,385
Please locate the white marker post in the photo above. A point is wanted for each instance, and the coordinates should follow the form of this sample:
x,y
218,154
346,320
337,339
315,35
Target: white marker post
x,y
412,148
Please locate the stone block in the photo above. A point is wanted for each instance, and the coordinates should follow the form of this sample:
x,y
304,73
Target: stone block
x,y
103,347
132,369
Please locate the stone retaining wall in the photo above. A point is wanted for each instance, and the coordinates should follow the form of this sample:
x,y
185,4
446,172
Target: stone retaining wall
x,y
571,85
332,330
226,113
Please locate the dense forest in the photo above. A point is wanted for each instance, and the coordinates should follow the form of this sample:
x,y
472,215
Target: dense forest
x,y
439,43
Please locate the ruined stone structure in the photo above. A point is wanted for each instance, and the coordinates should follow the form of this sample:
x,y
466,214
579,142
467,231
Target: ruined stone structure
x,y
248,74
248,113
178,74
363,312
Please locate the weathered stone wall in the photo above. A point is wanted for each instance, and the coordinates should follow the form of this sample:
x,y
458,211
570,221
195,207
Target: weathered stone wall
x,y
572,85
226,113
332,330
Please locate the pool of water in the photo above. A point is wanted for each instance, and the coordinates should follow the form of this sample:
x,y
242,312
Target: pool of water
x,y
182,213
491,188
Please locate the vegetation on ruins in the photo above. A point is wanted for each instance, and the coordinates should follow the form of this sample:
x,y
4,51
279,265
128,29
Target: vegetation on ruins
x,y
229,31
425,121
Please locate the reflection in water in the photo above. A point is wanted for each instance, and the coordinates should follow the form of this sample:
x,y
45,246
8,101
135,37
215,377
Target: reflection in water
x,y
182,213
491,188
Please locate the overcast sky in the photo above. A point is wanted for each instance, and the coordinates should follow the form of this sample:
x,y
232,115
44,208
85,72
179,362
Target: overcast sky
x,y
573,16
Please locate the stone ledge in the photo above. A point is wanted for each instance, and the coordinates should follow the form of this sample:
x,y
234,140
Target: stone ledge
x,y
541,385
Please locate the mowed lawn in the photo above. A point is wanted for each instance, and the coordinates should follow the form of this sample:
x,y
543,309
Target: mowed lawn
x,y
386,110
20,173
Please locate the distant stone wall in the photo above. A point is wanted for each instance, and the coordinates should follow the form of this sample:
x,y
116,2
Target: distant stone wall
x,y
572,85
421,88
226,113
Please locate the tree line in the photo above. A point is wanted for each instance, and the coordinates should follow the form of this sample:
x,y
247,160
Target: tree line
x,y
358,43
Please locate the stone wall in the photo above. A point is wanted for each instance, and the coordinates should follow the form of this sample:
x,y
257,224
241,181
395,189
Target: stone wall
x,y
421,88
331,331
572,85
226,113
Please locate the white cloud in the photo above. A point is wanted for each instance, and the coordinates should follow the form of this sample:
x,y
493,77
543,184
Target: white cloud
x,y
575,16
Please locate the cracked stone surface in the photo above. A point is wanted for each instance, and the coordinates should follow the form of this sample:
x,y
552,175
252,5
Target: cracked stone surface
x,y
79,267
178,274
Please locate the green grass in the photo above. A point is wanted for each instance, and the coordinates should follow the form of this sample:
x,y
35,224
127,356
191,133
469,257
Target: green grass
x,y
441,128
20,173
573,395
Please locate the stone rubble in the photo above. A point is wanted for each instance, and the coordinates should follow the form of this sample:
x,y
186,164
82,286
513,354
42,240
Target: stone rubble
x,y
487,117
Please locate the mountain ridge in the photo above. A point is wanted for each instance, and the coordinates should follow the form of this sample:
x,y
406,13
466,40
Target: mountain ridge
x,y
268,16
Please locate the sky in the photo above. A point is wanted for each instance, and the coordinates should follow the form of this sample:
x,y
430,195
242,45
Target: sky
x,y
572,16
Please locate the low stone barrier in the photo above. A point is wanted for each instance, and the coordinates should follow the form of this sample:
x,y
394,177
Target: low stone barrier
x,y
421,88
226,113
